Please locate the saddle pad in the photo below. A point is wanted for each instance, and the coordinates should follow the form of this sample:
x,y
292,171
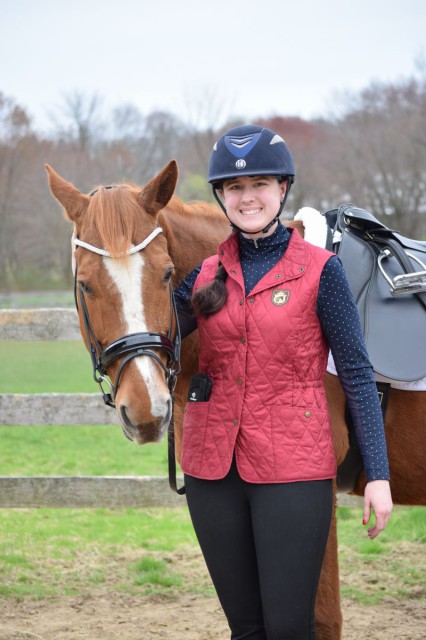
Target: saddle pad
x,y
414,385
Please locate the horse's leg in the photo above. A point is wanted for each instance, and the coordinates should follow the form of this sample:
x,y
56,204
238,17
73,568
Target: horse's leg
x,y
405,429
328,615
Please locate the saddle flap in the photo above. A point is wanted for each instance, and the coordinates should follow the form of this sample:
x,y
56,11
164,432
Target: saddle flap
x,y
394,327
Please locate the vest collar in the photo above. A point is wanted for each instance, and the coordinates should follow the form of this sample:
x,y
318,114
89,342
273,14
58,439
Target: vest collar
x,y
292,265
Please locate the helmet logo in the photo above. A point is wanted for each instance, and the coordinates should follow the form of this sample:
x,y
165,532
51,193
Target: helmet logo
x,y
240,146
241,164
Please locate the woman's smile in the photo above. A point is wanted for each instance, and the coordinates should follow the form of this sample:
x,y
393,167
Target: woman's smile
x,y
250,212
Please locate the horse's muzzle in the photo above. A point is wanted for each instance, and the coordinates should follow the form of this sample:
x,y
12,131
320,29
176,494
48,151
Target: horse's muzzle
x,y
148,432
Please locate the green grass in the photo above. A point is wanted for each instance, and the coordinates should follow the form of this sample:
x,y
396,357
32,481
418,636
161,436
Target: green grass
x,y
35,299
68,551
71,551
394,564
152,571
45,367
82,450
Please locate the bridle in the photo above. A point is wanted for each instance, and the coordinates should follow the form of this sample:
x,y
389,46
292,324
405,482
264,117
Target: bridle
x,y
146,343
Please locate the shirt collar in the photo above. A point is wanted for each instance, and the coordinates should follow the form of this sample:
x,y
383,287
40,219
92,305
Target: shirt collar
x,y
249,247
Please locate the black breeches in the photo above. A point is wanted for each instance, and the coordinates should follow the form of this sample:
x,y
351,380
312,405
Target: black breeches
x,y
264,546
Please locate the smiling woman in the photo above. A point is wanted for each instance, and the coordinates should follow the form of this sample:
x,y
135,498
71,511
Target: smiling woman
x,y
257,454
252,202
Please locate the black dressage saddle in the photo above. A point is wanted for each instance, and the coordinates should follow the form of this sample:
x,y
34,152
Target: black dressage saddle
x,y
387,275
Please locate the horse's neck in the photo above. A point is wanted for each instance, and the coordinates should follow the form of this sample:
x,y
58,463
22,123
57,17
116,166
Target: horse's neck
x,y
193,232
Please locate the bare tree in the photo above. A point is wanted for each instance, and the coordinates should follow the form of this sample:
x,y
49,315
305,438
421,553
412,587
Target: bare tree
x,y
15,139
380,153
79,119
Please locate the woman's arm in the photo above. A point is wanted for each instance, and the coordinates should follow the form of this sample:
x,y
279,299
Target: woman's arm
x,y
341,326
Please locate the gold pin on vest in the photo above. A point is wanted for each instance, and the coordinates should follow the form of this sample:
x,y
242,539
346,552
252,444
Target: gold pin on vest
x,y
280,297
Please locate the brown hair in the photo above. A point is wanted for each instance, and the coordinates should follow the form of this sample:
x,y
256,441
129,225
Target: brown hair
x,y
210,299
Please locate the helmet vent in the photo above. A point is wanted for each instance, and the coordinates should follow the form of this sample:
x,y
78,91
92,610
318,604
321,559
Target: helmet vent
x,y
276,139
240,142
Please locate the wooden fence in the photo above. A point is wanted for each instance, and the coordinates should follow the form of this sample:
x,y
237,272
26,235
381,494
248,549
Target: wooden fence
x,y
71,409
68,410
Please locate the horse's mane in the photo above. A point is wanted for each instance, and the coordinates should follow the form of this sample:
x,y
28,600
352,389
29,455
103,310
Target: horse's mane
x,y
196,207
114,213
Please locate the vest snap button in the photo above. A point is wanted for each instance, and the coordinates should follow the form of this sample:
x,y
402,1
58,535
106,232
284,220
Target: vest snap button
x,y
241,301
251,300
239,382
235,422
233,271
242,340
307,414
278,276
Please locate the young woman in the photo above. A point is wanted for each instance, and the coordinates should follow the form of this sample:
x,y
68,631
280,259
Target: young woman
x,y
257,452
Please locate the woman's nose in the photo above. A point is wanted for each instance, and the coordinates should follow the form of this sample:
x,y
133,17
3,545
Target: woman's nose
x,y
247,195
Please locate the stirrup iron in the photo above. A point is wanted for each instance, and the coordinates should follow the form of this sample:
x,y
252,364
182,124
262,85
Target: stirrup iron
x,y
405,283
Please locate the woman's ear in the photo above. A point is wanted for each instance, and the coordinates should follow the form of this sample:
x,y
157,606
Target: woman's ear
x,y
283,186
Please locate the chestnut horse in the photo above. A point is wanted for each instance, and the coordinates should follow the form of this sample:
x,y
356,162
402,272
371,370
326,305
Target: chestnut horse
x,y
124,266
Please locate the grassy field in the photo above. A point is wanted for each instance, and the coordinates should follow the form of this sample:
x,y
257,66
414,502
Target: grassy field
x,y
34,299
71,551
53,551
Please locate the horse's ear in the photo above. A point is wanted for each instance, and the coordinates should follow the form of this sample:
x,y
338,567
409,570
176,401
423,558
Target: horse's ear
x,y
73,201
157,193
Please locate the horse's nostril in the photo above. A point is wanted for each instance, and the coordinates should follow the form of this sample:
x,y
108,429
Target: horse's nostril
x,y
126,420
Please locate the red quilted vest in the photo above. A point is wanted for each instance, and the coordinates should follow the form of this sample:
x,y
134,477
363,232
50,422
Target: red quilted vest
x,y
266,356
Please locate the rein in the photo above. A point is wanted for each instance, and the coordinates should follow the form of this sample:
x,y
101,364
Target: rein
x,y
134,345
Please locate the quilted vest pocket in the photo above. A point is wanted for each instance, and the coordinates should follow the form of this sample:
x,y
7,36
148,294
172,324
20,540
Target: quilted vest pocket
x,y
194,434
302,442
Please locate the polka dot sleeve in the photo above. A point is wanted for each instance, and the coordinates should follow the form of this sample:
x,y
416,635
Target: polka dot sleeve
x,y
341,326
183,294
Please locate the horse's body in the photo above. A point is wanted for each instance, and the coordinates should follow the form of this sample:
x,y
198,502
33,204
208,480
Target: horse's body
x,y
128,295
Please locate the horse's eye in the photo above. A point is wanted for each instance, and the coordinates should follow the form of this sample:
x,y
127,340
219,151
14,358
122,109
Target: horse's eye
x,y
167,275
85,287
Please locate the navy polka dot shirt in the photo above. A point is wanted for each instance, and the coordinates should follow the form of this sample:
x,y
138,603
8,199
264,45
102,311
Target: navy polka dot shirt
x,y
338,315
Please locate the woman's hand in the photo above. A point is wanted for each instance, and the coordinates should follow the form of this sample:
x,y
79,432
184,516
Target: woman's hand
x,y
377,496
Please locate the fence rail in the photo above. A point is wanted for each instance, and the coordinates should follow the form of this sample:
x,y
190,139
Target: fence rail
x,y
70,410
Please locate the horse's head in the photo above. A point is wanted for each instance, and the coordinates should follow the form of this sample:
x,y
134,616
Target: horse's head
x,y
123,295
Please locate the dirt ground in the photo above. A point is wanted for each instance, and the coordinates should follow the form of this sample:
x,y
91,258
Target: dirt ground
x,y
114,616
111,614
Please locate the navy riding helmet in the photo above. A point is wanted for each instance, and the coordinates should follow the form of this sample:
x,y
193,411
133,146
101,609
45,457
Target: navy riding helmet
x,y
250,150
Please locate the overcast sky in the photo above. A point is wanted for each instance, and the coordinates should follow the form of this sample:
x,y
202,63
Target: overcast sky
x,y
251,58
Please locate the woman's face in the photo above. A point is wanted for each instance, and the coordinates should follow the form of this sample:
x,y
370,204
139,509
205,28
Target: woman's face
x,y
251,202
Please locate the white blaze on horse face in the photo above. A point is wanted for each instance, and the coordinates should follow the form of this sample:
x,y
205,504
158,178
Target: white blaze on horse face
x,y
127,277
